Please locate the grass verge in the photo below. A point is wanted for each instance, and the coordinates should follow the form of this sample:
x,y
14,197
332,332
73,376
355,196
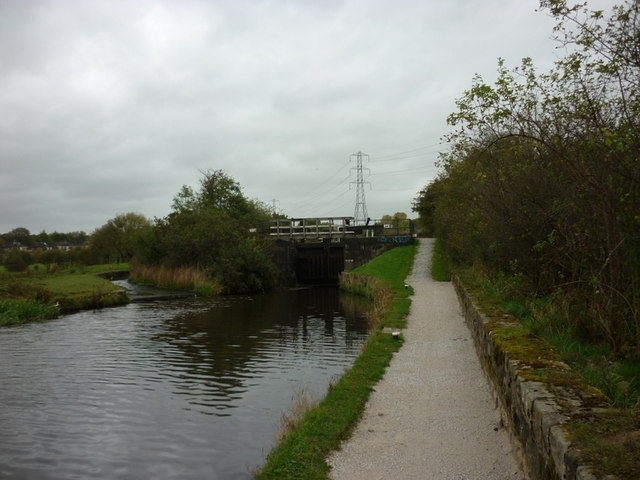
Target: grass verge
x,y
302,453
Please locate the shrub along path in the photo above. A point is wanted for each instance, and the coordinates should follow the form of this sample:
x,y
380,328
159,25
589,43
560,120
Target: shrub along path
x,y
432,414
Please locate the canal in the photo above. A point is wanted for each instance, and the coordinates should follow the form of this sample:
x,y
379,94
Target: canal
x,y
179,389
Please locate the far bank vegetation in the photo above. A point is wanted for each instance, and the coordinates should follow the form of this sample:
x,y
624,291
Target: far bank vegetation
x,y
180,278
204,244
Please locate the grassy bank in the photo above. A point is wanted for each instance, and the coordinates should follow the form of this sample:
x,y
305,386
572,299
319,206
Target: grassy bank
x,y
14,312
302,453
44,292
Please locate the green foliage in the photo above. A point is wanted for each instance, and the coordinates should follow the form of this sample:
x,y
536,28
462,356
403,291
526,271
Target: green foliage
x,y
95,299
248,267
611,444
424,204
13,312
555,319
608,439
399,224
209,229
17,261
19,235
22,237
116,240
439,263
540,183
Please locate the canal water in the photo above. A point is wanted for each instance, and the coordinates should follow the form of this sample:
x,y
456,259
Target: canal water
x,y
179,389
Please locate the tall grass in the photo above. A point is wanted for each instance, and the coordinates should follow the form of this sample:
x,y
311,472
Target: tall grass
x,y
373,288
182,278
553,318
301,403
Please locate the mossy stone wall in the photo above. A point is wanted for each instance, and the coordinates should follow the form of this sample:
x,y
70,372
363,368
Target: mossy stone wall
x,y
535,411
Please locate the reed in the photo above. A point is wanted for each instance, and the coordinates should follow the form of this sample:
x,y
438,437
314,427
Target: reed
x,y
382,281
373,288
300,404
182,278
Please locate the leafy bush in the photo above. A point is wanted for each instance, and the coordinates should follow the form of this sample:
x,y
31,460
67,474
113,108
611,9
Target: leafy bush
x,y
17,261
540,183
209,230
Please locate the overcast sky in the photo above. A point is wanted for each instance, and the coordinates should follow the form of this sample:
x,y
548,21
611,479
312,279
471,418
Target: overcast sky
x,y
110,106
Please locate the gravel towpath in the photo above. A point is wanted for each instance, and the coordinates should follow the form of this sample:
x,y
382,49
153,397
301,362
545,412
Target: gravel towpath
x,y
432,416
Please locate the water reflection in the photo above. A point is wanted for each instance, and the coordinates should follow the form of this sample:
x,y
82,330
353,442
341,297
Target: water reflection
x,y
180,389
217,354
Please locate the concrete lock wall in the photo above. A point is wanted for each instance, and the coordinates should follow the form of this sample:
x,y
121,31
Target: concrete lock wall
x,y
534,411
321,262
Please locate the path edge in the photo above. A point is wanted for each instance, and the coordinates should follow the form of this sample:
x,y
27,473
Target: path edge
x,y
534,413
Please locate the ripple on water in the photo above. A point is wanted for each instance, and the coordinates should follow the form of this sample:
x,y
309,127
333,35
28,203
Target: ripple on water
x,y
183,389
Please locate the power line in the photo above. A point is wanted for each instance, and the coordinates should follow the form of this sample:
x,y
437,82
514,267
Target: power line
x,y
394,155
339,207
309,209
406,171
313,198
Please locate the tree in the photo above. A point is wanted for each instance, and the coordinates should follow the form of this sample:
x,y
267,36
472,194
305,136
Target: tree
x,y
424,204
398,222
17,261
115,241
209,228
543,170
19,235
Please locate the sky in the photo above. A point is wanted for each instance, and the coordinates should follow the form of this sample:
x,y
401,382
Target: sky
x,y
110,106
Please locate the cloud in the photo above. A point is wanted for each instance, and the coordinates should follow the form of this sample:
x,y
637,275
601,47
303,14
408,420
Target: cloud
x,y
111,106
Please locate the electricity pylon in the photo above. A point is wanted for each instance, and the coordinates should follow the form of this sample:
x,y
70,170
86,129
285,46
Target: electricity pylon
x,y
360,216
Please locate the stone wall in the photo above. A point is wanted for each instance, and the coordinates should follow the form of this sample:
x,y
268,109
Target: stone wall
x,y
534,411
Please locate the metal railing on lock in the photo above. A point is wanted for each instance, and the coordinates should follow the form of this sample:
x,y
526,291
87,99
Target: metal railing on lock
x,y
311,228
